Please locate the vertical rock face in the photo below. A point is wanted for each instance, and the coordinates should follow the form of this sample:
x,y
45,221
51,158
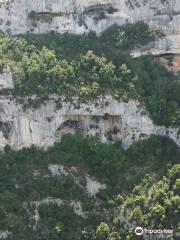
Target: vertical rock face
x,y
18,16
79,16
6,81
111,120
45,15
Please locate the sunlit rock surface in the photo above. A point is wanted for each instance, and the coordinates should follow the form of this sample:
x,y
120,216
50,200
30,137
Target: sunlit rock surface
x,y
111,120
79,16
6,79
19,16
106,117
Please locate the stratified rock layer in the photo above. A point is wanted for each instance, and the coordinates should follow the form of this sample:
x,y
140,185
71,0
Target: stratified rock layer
x,y
79,16
111,120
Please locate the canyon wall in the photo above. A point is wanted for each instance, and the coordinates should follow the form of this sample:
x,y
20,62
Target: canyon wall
x,y
79,16
111,120
19,16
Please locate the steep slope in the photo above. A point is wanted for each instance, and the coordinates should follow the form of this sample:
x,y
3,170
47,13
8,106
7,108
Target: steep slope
x,y
67,191
78,15
121,101
111,120
89,136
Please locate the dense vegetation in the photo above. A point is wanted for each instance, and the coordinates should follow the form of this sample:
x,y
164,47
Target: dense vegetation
x,y
152,205
89,65
142,183
26,180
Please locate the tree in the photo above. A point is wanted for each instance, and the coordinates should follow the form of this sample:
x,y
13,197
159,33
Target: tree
x,y
102,231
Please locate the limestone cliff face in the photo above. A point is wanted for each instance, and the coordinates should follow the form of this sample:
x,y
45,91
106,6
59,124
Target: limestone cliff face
x,y
6,79
79,16
111,120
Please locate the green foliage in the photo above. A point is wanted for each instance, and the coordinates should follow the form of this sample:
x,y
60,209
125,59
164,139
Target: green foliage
x,y
102,231
70,46
128,36
154,206
26,180
89,65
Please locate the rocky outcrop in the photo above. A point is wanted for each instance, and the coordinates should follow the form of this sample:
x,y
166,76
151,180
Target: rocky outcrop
x,y
6,79
165,49
79,16
93,186
111,120
4,234
83,15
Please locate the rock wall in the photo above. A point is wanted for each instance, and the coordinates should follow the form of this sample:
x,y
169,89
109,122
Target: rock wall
x,y
79,16
169,44
6,79
111,120
19,16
